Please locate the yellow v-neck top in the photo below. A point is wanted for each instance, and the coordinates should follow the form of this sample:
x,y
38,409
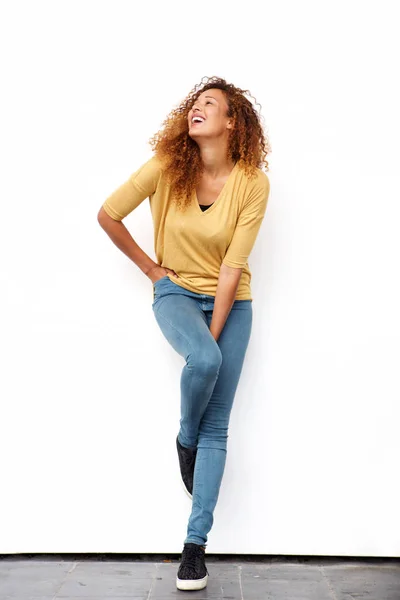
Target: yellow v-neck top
x,y
191,242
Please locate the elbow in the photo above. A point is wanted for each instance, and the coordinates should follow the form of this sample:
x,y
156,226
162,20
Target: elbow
x,y
103,218
231,271
100,216
230,274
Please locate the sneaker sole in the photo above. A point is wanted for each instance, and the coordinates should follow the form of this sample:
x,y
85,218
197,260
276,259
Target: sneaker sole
x,y
191,584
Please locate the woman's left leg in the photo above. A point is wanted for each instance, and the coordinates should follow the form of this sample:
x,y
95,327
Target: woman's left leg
x,y
213,430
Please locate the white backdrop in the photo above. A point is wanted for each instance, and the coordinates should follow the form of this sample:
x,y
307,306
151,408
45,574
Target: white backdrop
x,y
90,387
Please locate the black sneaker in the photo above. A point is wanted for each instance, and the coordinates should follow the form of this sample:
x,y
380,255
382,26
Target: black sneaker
x,y
187,459
192,573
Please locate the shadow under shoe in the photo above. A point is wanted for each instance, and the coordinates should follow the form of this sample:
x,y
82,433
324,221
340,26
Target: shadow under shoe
x,y
187,460
192,573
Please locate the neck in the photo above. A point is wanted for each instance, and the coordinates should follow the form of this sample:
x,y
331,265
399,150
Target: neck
x,y
215,160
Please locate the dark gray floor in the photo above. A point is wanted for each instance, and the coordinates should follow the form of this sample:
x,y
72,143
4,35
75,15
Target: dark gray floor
x,y
32,579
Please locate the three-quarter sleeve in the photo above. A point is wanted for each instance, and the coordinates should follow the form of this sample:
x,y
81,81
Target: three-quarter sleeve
x,y
140,185
248,224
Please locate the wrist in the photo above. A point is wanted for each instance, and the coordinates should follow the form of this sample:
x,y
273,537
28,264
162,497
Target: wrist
x,y
148,270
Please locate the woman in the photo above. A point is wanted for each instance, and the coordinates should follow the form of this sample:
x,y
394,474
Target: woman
x,y
208,197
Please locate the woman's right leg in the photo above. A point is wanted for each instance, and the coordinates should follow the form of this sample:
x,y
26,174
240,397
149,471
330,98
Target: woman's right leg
x,y
184,325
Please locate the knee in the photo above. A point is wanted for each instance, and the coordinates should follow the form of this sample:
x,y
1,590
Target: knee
x,y
207,361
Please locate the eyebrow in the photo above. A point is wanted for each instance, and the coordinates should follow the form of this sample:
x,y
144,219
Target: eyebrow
x,y
211,97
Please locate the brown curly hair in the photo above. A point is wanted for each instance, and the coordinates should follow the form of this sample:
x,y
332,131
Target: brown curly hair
x,y
180,155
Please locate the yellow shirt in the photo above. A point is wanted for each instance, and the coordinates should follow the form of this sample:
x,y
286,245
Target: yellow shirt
x,y
195,243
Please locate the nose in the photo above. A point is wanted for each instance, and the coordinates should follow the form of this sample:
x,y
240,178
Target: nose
x,y
195,107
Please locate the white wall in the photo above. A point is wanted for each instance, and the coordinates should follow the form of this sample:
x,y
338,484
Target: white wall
x,y
90,387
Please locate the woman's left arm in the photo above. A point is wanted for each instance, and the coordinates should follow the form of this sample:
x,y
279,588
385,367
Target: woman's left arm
x,y
228,282
243,240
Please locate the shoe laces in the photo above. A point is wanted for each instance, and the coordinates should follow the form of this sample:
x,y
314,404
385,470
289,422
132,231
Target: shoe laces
x,y
192,556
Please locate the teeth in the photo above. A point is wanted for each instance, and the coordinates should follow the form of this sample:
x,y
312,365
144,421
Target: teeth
x,y
197,120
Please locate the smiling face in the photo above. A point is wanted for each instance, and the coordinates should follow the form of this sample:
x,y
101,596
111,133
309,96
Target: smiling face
x,y
210,108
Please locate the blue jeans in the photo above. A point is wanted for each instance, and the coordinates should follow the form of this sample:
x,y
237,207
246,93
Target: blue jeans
x,y
208,384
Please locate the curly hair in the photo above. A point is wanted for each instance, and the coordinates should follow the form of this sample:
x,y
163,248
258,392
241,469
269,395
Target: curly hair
x,y
180,155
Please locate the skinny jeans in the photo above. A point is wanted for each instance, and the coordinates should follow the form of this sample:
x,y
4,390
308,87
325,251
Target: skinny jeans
x,y
208,385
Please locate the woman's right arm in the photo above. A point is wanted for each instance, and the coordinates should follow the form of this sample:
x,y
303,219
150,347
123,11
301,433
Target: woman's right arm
x,y
121,237
127,197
